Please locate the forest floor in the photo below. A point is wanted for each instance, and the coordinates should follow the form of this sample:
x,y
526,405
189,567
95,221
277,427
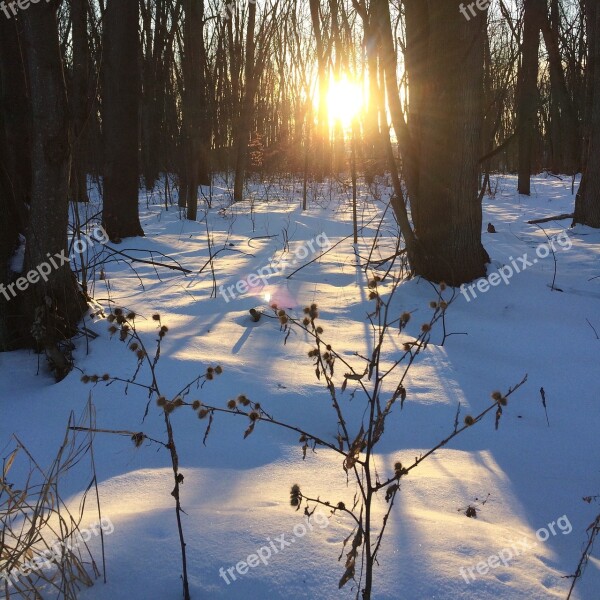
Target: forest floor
x,y
526,480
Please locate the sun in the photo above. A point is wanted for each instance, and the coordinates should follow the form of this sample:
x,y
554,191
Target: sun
x,y
344,101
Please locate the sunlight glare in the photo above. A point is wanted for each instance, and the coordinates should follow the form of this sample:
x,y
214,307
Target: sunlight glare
x,y
344,101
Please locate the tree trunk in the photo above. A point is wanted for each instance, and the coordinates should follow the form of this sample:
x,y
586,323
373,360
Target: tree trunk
x,y
441,172
372,129
15,151
416,58
528,92
373,147
195,106
321,135
152,99
564,122
79,99
587,201
15,168
247,113
51,308
121,119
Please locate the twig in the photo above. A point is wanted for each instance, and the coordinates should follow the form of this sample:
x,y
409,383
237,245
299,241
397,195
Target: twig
x,y
593,329
130,434
419,460
595,529
543,394
552,287
328,250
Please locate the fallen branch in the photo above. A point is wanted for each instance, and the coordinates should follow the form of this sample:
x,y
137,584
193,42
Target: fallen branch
x,y
556,218
149,262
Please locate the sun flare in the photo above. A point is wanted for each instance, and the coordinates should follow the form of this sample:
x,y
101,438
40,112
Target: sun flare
x,y
344,101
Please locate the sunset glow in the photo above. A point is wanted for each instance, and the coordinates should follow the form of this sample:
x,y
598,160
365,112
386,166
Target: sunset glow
x,y
344,101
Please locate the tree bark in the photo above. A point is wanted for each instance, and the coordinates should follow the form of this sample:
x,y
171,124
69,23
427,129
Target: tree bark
x,y
79,99
321,135
441,172
121,119
15,168
587,201
528,92
245,119
564,122
51,308
15,134
196,128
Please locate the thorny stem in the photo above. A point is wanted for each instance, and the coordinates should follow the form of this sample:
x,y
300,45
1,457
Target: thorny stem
x,y
177,477
365,478
170,445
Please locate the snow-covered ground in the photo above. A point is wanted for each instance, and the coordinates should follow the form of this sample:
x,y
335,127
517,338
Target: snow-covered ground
x,y
236,492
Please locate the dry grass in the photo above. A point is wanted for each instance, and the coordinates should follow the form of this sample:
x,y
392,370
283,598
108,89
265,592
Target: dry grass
x,y
34,518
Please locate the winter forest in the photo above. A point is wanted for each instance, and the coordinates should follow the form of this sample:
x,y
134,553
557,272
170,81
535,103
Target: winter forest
x,y
299,299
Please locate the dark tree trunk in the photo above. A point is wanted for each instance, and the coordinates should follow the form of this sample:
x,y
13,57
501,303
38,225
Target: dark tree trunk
x,y
388,60
247,113
79,100
155,17
564,123
587,201
373,148
451,120
235,67
416,57
338,150
51,308
441,172
15,151
322,151
121,119
373,131
590,11
195,107
15,169
528,92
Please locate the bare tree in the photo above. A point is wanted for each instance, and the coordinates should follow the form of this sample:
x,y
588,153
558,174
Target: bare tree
x,y
587,201
15,167
80,105
196,127
121,119
441,172
528,90
245,117
322,159
51,308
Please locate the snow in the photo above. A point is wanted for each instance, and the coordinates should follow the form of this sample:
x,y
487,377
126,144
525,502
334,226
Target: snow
x,y
236,492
